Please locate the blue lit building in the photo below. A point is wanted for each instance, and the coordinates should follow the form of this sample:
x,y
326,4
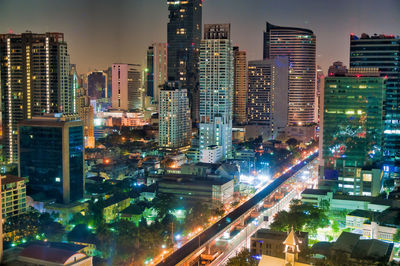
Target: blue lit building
x,y
52,156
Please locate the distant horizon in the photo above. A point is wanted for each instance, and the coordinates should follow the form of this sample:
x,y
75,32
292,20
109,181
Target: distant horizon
x,y
100,33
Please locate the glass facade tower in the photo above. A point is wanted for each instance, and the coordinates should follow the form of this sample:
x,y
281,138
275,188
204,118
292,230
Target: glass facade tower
x,y
383,52
52,156
184,36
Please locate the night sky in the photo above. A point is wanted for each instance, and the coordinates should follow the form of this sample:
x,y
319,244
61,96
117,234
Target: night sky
x,y
101,32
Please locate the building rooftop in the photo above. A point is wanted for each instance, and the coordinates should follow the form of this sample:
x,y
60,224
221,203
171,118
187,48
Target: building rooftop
x,y
361,213
315,192
346,242
7,179
48,253
365,36
113,200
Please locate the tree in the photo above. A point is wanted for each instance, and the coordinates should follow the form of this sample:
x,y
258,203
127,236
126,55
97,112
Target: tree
x,y
163,203
292,143
243,258
396,237
53,231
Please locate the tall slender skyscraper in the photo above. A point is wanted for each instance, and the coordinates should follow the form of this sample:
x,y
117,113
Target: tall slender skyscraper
x,y
216,88
267,101
34,71
239,86
299,45
175,125
156,72
126,80
383,51
184,36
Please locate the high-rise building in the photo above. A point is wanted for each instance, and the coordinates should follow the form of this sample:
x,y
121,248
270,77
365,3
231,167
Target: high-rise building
x,y
216,88
13,194
34,71
156,72
108,71
126,80
267,101
299,45
51,156
383,52
352,126
239,86
319,88
175,124
184,36
97,85
84,109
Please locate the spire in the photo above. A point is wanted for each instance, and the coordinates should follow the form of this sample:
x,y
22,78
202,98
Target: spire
x,y
292,249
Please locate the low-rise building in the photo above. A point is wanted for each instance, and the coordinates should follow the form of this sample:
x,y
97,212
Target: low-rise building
x,y
195,188
113,206
13,193
268,242
211,154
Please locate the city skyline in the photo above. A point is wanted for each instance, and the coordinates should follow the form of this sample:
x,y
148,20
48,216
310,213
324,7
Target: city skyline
x,y
91,33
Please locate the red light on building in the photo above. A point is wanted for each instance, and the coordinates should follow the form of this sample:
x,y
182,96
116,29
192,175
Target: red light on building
x,y
358,75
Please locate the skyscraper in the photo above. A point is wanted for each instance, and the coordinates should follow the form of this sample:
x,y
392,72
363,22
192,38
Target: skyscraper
x,y
383,52
267,101
34,71
184,36
239,86
175,124
97,85
299,45
216,88
352,119
156,72
52,156
319,88
126,79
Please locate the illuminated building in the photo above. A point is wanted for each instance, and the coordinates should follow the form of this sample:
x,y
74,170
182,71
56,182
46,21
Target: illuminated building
x,y
52,156
174,124
183,38
83,108
211,154
34,71
383,52
156,72
13,194
299,45
319,88
352,130
267,101
120,118
126,86
216,88
97,85
337,69
239,86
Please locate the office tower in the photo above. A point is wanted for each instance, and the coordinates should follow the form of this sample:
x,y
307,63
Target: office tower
x,y
34,71
352,121
156,72
84,110
299,45
320,87
239,86
126,79
108,72
175,124
13,194
267,101
383,52
184,36
337,69
216,88
74,83
52,156
97,85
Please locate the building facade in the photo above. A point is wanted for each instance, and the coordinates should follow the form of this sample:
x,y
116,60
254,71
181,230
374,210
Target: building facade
x,y
156,72
352,125
300,46
383,52
52,156
126,80
13,194
267,101
183,38
216,88
239,86
174,124
211,154
34,71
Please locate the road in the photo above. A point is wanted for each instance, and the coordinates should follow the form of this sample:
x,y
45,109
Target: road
x,y
226,221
